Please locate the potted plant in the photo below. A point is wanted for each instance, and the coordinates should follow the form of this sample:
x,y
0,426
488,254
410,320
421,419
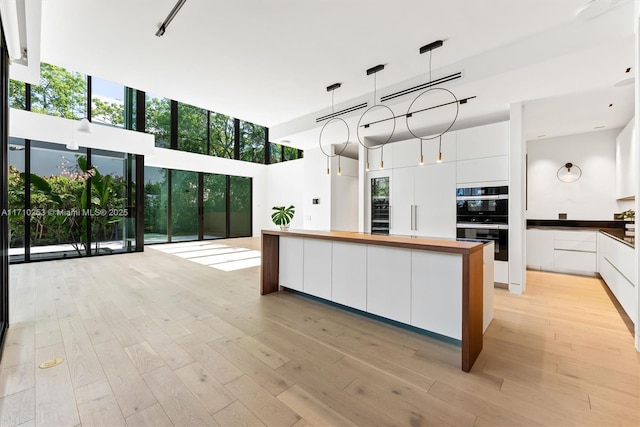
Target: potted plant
x,y
629,215
282,216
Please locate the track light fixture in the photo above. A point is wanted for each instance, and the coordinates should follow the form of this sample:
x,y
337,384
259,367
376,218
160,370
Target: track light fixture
x,y
163,27
361,125
339,152
431,90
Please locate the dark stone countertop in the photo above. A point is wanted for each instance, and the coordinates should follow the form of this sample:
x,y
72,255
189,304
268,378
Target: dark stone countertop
x,y
618,234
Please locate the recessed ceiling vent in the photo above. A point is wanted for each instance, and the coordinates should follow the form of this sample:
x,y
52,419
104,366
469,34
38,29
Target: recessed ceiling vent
x,y
343,111
441,80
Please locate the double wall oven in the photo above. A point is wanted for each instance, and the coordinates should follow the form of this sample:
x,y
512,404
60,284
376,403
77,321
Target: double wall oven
x,y
483,213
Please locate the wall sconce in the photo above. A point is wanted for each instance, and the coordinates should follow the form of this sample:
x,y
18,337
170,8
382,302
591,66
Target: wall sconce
x,y
569,173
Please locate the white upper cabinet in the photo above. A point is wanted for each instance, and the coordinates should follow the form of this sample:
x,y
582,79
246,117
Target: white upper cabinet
x,y
407,153
483,170
626,163
483,141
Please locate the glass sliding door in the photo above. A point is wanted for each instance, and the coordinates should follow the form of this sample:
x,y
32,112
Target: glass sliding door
x,y
112,202
17,206
156,205
58,189
240,200
214,206
184,205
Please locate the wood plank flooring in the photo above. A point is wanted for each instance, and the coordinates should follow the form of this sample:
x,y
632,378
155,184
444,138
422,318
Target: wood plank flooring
x,y
154,339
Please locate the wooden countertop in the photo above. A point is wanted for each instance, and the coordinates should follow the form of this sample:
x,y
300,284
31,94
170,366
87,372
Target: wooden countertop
x,y
423,243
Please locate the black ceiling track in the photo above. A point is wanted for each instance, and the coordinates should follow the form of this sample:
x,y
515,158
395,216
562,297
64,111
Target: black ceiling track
x,y
450,77
334,87
346,110
429,47
375,69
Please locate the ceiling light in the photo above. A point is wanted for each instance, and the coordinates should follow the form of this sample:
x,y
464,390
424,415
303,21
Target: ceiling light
x,y
628,70
374,71
571,174
285,142
429,48
599,127
85,126
610,105
332,89
542,136
163,27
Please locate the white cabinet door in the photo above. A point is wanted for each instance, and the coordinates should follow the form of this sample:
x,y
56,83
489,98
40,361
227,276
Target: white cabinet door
x,y
402,200
436,286
626,163
435,200
540,246
291,263
389,288
349,275
483,170
405,153
574,261
483,141
317,267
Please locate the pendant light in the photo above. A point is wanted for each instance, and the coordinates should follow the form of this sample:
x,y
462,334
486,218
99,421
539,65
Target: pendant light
x,y
338,120
366,125
414,110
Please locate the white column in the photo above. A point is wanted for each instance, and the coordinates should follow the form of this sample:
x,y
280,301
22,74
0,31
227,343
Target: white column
x,y
635,139
517,217
362,182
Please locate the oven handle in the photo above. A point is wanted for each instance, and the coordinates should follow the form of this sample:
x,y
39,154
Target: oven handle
x,y
483,226
490,197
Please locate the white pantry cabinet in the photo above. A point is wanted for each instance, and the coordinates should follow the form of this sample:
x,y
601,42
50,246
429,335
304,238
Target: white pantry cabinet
x,y
423,201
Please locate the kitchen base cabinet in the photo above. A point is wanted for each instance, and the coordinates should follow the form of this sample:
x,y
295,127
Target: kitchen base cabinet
x,y
617,269
567,251
431,294
291,263
317,268
389,289
349,275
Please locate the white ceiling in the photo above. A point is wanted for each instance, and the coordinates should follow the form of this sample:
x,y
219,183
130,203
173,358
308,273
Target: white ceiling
x,y
269,61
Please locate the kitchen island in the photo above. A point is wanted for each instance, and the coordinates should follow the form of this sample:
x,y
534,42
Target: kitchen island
x,y
436,285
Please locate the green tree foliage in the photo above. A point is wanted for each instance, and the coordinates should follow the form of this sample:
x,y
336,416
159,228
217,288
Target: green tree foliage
x,y
158,120
107,112
192,129
17,95
61,93
252,142
184,203
221,135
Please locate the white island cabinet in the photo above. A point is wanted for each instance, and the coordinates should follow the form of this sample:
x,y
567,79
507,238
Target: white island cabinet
x,y
435,285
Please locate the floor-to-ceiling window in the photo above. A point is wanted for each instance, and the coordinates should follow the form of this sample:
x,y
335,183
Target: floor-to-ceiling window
x,y
4,189
156,205
239,206
158,119
184,205
17,217
214,206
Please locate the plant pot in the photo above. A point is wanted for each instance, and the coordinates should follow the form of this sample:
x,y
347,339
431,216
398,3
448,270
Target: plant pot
x,y
284,227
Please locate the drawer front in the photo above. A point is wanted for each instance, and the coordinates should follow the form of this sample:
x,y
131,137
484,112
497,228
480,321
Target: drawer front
x,y
574,261
575,245
581,236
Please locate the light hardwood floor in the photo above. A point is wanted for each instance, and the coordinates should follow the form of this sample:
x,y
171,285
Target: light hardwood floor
x,y
153,339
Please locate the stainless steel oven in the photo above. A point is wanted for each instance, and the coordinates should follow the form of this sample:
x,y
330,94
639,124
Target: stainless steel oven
x,y
498,233
488,205
483,213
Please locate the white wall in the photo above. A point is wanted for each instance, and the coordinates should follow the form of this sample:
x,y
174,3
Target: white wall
x,y
592,197
344,195
316,185
284,187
